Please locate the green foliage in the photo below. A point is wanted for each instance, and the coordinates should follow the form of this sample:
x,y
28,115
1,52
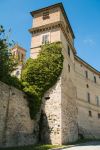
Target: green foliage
x,y
13,81
37,147
42,73
7,63
38,74
33,94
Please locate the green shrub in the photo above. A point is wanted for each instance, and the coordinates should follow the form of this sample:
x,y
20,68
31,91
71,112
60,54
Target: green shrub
x,y
12,81
42,73
7,62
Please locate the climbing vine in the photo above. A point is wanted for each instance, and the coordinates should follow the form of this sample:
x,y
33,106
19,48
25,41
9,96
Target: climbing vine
x,y
38,75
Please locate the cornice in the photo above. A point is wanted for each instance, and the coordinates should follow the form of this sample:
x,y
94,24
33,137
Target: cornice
x,y
81,61
19,47
54,25
63,12
60,25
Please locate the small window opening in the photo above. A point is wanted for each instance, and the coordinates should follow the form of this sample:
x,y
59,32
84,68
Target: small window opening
x,y
90,114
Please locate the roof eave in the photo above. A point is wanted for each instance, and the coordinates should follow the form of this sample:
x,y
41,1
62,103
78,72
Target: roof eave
x,y
63,10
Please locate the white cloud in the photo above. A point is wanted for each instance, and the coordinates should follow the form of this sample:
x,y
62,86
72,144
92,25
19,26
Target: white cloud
x,y
89,42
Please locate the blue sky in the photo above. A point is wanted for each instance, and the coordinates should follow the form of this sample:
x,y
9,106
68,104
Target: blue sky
x,y
84,16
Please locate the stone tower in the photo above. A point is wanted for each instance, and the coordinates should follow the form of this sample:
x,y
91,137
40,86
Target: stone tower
x,y
19,54
59,111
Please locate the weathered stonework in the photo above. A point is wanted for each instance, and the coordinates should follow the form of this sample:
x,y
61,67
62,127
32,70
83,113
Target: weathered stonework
x,y
19,54
16,126
65,111
51,120
60,112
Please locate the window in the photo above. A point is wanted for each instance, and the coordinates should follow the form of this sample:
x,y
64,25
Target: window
x,y
68,68
98,115
86,74
97,100
22,57
94,79
90,114
87,86
45,39
88,97
47,98
18,55
68,51
46,15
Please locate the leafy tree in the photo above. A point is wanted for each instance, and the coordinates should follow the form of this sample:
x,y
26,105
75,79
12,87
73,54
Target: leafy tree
x,y
7,63
42,73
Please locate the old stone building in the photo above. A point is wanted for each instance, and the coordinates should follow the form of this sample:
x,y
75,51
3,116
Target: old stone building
x,y
19,55
73,105
70,109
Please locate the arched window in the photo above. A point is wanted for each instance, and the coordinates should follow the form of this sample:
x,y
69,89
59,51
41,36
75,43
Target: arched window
x,y
97,100
94,79
88,97
68,68
68,50
86,74
90,114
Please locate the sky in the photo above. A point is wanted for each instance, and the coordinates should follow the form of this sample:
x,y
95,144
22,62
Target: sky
x,y
84,17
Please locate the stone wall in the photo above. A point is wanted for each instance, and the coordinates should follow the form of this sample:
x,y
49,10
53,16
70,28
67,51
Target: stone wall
x,y
89,125
65,109
16,126
68,112
50,126
59,111
68,102
59,114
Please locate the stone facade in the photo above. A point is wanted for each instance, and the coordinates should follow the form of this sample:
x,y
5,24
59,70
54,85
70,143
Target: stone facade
x,y
66,110
16,126
90,123
51,115
19,55
70,109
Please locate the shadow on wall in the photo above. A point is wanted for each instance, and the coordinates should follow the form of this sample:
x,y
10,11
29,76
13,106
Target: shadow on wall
x,y
68,111
50,124
85,133
44,130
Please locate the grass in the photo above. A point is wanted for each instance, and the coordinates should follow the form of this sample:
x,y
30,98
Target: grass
x,y
38,147
47,147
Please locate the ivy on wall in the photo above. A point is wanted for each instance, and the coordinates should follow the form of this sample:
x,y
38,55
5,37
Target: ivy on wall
x,y
38,75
